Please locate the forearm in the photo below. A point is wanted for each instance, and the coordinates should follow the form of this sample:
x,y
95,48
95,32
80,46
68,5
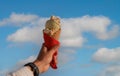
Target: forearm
x,y
25,71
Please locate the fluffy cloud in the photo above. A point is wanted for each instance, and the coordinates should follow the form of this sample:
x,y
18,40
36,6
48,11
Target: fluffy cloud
x,y
72,29
18,19
109,34
110,56
98,25
105,55
26,34
66,56
113,70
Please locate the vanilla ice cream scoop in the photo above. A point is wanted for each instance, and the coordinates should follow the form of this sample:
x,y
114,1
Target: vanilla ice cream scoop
x,y
52,25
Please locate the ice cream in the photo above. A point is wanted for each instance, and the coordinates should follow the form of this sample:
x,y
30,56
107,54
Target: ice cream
x,y
52,27
51,36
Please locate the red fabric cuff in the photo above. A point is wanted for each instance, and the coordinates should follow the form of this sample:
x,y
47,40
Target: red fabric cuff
x,y
49,43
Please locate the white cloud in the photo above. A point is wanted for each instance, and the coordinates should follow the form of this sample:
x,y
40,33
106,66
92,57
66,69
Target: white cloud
x,y
66,56
98,25
72,29
73,42
18,19
113,70
26,34
110,34
110,56
105,55
32,32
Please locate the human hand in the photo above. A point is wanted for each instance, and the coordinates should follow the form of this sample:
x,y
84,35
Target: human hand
x,y
44,58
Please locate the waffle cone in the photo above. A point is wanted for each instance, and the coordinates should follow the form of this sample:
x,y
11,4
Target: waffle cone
x,y
56,35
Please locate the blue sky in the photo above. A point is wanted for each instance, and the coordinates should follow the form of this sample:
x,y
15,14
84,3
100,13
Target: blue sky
x,y
90,44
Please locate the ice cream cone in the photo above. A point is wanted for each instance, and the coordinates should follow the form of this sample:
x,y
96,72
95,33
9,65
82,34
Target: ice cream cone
x,y
51,35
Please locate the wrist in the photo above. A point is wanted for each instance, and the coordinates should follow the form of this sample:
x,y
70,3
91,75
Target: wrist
x,y
33,68
39,65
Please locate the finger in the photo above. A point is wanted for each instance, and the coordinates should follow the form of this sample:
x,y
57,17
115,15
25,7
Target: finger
x,y
43,50
53,49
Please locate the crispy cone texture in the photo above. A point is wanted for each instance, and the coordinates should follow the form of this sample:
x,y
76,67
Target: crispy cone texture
x,y
56,35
